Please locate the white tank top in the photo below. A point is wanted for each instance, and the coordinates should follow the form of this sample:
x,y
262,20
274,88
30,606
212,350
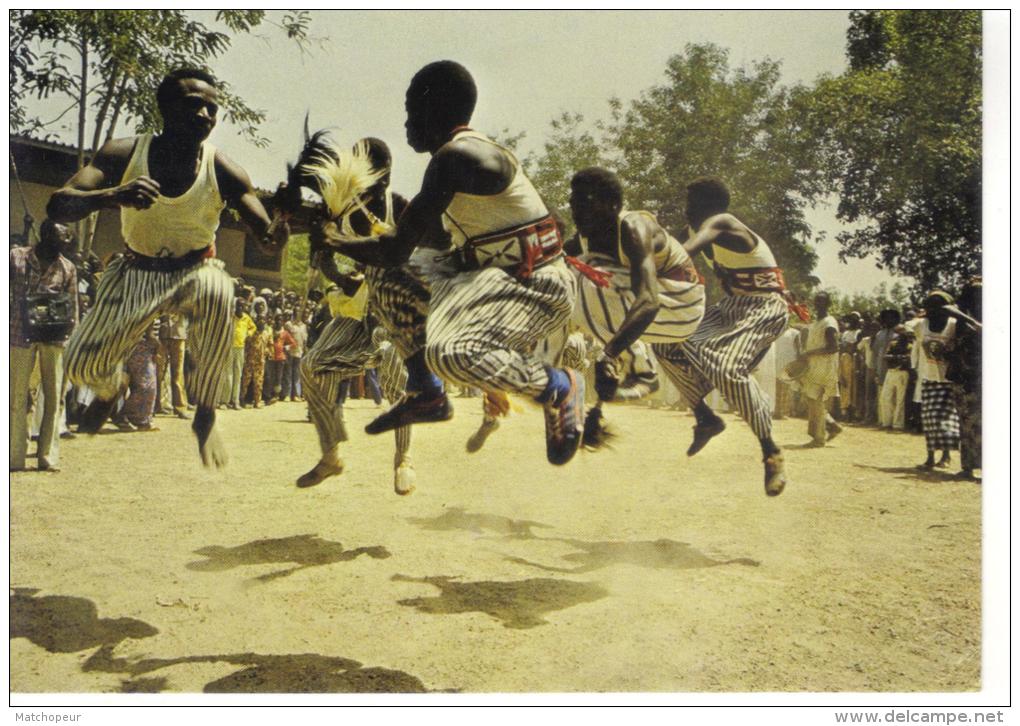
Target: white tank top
x,y
474,215
760,256
173,226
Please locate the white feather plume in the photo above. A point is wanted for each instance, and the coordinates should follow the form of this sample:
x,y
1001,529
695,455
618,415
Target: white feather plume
x,y
342,181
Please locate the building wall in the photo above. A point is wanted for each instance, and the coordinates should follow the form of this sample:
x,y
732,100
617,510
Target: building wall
x,y
230,239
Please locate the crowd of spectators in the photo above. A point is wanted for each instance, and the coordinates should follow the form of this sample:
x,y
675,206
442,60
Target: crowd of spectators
x,y
916,369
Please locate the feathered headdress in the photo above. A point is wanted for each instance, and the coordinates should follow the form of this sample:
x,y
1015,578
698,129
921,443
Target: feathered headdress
x,y
343,175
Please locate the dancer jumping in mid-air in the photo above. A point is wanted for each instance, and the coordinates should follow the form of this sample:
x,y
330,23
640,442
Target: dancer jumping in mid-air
x,y
505,286
735,332
171,189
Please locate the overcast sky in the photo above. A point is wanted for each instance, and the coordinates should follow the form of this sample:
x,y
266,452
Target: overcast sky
x,y
529,66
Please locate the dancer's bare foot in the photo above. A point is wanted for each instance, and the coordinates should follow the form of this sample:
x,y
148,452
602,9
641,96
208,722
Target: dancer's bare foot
x,y
775,476
320,472
403,479
210,446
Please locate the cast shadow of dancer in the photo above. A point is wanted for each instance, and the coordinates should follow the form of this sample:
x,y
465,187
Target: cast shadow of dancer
x,y
456,518
518,605
303,550
64,624
660,554
592,555
296,673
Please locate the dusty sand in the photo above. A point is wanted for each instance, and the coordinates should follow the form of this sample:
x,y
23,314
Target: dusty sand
x,y
636,569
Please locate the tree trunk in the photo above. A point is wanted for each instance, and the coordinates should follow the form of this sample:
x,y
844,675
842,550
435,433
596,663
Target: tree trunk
x,y
121,90
116,109
104,108
83,92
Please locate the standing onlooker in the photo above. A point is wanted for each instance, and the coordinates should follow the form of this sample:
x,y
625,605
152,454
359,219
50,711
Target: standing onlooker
x,y
939,418
965,373
43,311
162,366
820,381
787,348
256,349
244,328
888,320
140,366
175,342
896,386
292,372
847,379
282,341
866,404
913,416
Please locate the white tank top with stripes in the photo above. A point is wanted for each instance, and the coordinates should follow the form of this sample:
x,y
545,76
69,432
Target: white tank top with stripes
x,y
173,226
475,215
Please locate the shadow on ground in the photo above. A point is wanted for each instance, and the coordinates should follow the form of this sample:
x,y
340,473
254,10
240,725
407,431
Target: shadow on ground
x,y
935,476
661,554
303,550
457,518
64,624
297,673
517,604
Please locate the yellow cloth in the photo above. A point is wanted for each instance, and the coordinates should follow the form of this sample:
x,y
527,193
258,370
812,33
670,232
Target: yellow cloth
x,y
349,306
243,327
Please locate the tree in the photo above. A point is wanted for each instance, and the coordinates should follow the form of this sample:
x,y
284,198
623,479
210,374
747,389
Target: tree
x,y
900,141
706,119
883,297
569,148
107,64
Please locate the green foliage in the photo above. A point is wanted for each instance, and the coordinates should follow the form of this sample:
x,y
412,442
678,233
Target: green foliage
x,y
705,119
569,149
294,271
900,141
125,53
881,298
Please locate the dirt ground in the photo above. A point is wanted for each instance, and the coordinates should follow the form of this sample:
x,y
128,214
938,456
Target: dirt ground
x,y
636,569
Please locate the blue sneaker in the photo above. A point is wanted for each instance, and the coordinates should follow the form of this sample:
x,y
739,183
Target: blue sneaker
x,y
564,422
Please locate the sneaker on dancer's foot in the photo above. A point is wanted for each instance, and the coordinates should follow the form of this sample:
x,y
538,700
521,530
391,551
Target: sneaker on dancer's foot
x,y
703,433
564,422
320,472
775,477
478,438
832,430
412,408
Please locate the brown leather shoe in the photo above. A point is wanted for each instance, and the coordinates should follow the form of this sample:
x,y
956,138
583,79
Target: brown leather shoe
x,y
775,477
